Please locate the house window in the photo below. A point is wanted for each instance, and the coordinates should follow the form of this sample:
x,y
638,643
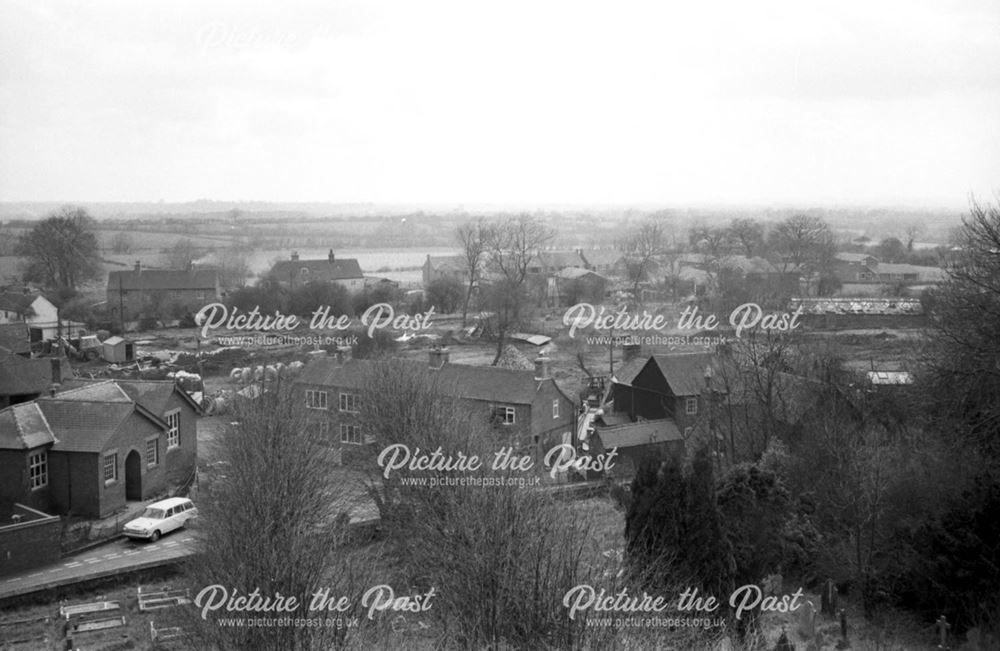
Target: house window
x,y
110,467
350,434
152,452
690,406
555,409
350,402
173,429
504,415
38,470
315,399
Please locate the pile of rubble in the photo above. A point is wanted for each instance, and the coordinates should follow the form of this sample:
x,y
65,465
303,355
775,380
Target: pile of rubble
x,y
514,359
869,306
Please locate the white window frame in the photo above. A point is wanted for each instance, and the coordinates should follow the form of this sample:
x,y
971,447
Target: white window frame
x,y
173,419
316,399
155,440
690,405
346,429
555,409
38,470
113,457
506,414
350,402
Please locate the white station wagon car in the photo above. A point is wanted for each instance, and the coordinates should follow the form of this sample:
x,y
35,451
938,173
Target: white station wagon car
x,y
160,518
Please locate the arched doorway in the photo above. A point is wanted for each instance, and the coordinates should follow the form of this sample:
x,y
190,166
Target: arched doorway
x,y
133,476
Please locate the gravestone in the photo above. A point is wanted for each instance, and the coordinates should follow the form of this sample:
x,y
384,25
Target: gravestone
x,y
784,644
828,599
943,628
807,621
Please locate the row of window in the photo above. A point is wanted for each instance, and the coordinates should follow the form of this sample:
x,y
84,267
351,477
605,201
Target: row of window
x,y
38,463
351,403
349,432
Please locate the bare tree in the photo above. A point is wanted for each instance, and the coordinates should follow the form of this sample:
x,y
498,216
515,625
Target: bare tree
x,y
272,520
749,234
511,244
643,245
804,242
180,255
62,250
470,237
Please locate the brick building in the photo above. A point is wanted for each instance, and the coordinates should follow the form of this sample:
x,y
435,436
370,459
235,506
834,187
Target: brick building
x,y
89,449
160,293
526,407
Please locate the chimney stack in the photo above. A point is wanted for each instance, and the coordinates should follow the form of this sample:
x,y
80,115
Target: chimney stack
x,y
542,368
343,354
295,256
438,357
631,350
330,256
138,265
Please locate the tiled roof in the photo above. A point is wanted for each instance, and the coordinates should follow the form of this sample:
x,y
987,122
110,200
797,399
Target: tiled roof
x,y
152,395
448,262
163,279
685,373
16,301
572,273
627,371
487,383
20,376
83,426
642,433
602,257
560,259
853,257
23,427
14,337
339,269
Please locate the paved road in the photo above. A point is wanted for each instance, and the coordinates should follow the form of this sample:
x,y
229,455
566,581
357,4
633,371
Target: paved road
x,y
113,558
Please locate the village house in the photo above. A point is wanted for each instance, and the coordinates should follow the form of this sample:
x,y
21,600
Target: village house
x,y
88,450
454,267
527,408
577,285
607,262
15,338
25,378
656,404
345,272
160,292
864,274
38,313
549,262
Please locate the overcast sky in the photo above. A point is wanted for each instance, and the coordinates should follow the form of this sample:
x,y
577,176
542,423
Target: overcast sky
x,y
791,102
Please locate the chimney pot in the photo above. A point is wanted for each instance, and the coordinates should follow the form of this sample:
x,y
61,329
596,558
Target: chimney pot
x,y
542,368
438,357
295,256
330,255
138,265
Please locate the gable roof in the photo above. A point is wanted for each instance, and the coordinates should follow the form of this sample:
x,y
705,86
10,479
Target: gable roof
x,y
163,279
17,301
627,371
20,376
486,383
854,257
560,259
685,372
14,338
601,257
153,395
448,263
644,432
572,273
339,269
23,427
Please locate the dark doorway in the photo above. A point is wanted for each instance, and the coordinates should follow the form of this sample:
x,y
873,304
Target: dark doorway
x,y
133,476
